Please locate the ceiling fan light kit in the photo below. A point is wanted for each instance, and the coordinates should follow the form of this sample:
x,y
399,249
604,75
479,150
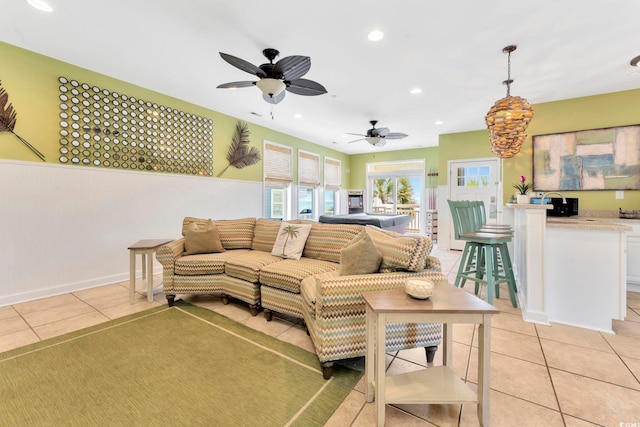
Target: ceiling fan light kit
x,y
275,79
508,119
271,87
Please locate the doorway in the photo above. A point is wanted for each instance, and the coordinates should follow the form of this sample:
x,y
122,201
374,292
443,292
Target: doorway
x,y
397,188
477,179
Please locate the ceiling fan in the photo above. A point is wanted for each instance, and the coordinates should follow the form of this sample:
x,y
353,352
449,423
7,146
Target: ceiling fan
x,y
274,79
378,136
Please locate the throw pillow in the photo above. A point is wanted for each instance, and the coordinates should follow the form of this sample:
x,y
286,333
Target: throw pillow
x,y
202,240
291,240
360,256
399,252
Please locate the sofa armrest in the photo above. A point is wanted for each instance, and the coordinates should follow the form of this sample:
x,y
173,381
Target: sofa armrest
x,y
340,293
167,256
433,263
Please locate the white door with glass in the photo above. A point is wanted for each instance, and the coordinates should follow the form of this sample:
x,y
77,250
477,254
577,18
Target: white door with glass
x,y
474,180
397,188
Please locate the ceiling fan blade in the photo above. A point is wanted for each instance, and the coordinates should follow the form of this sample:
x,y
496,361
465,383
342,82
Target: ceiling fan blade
x,y
395,135
275,98
306,87
356,134
355,140
381,131
292,67
234,85
243,65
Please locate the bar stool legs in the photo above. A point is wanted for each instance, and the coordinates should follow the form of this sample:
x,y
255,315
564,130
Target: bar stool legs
x,y
488,264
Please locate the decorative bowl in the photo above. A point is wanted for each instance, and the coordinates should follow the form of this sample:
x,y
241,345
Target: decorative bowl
x,y
418,288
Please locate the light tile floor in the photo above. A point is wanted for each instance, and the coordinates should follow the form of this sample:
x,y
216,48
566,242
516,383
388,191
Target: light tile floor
x,y
540,375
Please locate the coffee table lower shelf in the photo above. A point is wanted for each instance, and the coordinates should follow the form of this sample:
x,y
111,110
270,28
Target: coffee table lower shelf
x,y
439,384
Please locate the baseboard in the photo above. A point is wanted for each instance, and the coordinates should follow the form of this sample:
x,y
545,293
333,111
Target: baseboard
x,y
61,289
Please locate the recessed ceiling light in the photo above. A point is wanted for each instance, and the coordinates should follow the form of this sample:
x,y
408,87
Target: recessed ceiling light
x,y
415,91
375,35
438,122
42,5
635,62
297,116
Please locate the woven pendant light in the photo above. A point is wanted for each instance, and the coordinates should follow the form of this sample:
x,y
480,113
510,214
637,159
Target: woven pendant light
x,y
508,118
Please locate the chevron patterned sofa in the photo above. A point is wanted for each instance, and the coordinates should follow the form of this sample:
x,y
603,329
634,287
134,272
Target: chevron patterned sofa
x,y
310,288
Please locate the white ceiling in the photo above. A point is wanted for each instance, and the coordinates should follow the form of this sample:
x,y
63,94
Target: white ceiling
x,y
452,49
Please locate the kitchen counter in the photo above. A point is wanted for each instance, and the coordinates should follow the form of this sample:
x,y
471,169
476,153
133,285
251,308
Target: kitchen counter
x,y
582,223
570,270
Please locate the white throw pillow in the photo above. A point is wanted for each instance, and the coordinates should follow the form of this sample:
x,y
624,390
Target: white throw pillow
x,y
290,241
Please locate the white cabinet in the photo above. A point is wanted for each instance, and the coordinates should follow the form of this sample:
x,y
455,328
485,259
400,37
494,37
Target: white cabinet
x,y
633,255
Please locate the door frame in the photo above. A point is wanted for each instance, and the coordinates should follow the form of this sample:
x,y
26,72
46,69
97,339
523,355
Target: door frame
x,y
445,226
395,174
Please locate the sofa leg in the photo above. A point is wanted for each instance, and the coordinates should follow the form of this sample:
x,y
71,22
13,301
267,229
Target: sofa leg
x,y
254,309
431,353
170,300
225,299
268,314
327,370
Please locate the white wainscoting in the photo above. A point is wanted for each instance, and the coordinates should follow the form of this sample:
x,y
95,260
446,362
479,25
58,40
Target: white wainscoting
x,y
66,228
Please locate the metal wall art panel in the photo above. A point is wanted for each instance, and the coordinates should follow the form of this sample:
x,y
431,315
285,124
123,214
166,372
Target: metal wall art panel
x,y
102,128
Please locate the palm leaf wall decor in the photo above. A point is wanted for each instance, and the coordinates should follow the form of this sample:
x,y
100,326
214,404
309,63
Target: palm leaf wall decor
x,y
8,119
240,154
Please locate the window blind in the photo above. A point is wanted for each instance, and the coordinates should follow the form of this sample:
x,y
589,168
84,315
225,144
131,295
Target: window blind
x,y
277,163
332,176
308,169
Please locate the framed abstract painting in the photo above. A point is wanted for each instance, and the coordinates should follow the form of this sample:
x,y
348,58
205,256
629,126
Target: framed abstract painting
x,y
596,159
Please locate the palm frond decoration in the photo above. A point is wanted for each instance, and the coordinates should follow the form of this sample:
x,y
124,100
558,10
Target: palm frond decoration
x,y
8,119
240,154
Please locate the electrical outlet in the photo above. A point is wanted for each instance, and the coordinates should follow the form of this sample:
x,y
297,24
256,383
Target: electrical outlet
x,y
619,195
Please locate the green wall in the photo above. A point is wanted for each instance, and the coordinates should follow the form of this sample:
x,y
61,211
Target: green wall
x,y
31,81
591,112
359,162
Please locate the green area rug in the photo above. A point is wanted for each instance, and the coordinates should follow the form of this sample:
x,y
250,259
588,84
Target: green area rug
x,y
184,365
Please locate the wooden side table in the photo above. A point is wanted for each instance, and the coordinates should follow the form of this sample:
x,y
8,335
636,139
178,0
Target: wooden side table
x,y
146,248
441,384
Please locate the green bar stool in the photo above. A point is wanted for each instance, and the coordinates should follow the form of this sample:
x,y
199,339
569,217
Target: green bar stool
x,y
485,257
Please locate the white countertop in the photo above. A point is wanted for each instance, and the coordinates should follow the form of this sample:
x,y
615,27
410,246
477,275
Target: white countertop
x,y
584,223
579,222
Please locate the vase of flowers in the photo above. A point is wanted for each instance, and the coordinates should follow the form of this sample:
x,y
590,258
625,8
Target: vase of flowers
x,y
523,187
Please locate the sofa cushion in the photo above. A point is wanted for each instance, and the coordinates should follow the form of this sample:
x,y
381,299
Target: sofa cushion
x,y
360,256
194,265
236,233
247,266
325,241
399,252
287,274
202,240
290,241
265,234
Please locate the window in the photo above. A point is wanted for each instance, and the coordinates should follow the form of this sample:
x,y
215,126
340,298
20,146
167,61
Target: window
x,y
277,180
332,184
277,203
308,182
474,176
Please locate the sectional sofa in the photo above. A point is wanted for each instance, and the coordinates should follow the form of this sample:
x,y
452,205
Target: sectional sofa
x,y
322,284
